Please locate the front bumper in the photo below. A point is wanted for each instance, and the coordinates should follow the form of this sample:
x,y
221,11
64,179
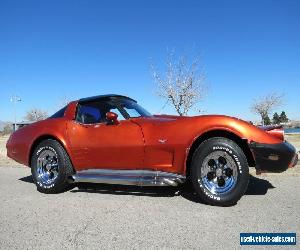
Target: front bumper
x,y
274,157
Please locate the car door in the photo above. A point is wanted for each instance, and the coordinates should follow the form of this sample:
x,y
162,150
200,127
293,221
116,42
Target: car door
x,y
95,143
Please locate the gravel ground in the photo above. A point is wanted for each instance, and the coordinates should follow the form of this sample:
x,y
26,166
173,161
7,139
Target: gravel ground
x,y
116,217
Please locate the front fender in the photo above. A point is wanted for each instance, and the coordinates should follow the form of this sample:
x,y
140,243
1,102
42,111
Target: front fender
x,y
240,128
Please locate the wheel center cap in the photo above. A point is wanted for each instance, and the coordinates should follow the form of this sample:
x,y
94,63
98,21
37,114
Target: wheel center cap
x,y
219,172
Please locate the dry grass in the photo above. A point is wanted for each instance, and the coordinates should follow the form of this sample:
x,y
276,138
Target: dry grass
x,y
4,160
294,139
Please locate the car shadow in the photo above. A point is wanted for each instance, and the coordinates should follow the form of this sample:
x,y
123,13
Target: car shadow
x,y
126,190
256,186
27,179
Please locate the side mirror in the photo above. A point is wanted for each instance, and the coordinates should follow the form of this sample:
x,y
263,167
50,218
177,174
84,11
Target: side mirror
x,y
112,118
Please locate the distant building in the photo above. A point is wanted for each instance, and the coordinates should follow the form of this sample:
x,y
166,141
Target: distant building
x,y
19,125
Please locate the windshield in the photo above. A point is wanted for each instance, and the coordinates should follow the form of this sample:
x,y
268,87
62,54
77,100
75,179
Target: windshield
x,y
60,113
133,109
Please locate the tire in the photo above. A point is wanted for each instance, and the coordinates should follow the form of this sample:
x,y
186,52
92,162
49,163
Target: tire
x,y
219,172
51,167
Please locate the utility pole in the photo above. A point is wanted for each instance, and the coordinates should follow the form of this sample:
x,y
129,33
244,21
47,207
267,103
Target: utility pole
x,y
14,99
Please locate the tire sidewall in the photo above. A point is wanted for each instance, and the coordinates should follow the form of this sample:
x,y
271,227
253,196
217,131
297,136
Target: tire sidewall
x,y
232,149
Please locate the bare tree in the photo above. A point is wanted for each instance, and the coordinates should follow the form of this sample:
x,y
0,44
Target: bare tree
x,y
265,104
65,100
35,114
8,129
182,84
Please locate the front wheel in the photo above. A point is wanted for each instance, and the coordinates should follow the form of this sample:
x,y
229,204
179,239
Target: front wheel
x,y
51,167
219,172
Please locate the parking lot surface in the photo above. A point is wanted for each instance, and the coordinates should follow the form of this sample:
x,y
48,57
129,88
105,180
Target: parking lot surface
x,y
116,217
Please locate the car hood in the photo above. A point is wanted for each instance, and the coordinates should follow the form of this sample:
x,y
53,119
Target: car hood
x,y
197,125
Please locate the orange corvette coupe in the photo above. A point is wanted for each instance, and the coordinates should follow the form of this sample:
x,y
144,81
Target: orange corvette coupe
x,y
111,139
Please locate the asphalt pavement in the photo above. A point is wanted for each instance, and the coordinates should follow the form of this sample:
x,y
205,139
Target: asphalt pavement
x,y
116,217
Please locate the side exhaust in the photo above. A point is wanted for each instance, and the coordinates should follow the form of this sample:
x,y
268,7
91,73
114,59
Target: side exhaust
x,y
128,177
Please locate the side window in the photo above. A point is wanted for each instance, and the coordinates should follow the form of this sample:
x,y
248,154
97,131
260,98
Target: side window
x,y
120,116
132,112
88,114
95,112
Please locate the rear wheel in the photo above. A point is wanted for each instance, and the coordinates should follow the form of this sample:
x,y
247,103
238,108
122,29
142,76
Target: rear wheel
x,y
51,167
219,172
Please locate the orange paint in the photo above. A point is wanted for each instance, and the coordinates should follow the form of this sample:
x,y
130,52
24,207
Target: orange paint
x,y
155,143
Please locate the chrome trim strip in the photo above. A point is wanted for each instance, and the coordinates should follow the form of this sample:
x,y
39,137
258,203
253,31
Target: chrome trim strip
x,y
129,177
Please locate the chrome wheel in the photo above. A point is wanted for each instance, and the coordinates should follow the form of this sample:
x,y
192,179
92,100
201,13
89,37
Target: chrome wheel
x,y
47,166
219,172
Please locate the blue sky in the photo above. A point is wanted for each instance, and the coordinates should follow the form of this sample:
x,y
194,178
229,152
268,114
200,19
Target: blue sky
x,y
52,49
